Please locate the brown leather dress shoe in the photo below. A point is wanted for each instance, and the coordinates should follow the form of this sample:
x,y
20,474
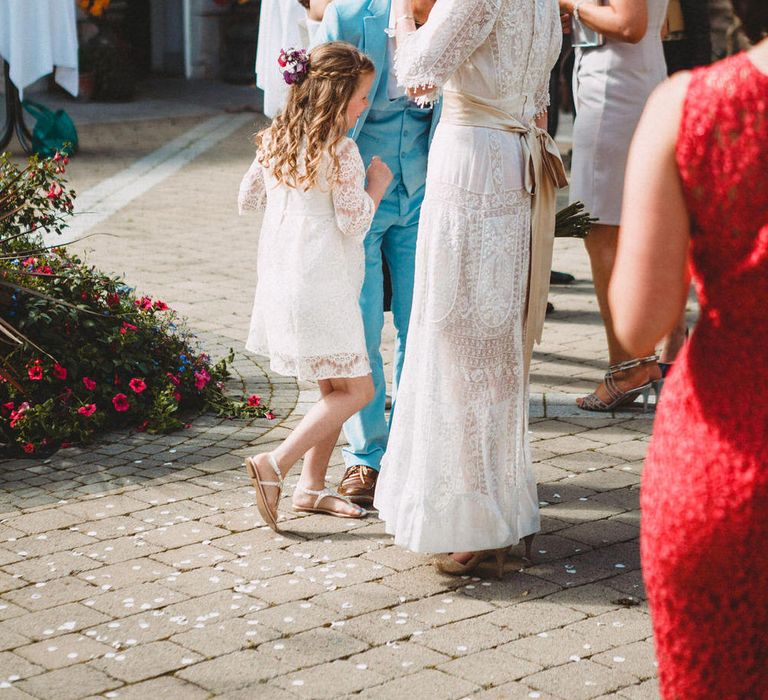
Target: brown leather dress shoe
x,y
358,484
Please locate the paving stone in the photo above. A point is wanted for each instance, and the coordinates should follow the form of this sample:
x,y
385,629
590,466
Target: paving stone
x,y
513,691
265,690
164,687
383,627
248,668
398,659
647,690
226,636
298,616
396,558
601,532
137,663
127,573
591,566
9,610
331,680
120,549
69,683
554,647
579,680
49,594
312,647
515,588
464,637
441,610
591,599
630,583
49,543
47,624
425,683
260,540
345,572
173,513
357,600
105,507
111,528
14,667
589,460
201,581
418,583
192,556
11,693
239,520
284,589
10,583
43,521
614,628
637,658
531,618
489,668
64,651
138,598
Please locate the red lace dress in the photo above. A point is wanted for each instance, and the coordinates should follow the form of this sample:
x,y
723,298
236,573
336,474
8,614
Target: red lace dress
x,y
704,496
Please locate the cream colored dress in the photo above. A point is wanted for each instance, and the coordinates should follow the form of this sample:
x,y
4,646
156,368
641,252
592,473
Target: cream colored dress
x,y
457,474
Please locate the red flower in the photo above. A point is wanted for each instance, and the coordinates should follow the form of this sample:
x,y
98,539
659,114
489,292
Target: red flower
x,y
7,408
269,415
177,396
29,448
59,372
18,414
64,445
84,296
87,410
138,385
174,379
201,379
120,402
113,299
89,383
142,427
54,192
161,306
127,327
35,371
254,400
145,303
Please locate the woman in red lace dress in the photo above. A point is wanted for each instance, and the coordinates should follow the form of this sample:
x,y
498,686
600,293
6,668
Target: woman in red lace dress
x,y
697,196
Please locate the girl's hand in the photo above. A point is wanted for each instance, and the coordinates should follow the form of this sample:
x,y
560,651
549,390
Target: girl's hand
x,y
379,175
565,21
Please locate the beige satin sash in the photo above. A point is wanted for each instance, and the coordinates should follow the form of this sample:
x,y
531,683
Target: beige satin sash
x,y
544,175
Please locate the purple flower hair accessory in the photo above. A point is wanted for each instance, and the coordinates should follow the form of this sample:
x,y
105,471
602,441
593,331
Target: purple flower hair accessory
x,y
294,65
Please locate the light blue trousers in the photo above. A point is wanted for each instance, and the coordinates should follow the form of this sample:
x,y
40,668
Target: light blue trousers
x,y
393,234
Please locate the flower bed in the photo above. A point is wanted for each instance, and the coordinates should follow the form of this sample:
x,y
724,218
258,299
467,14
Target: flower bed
x,y
82,353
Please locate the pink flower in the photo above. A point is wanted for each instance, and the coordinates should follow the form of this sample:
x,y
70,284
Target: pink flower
x,y
59,372
145,303
7,408
113,299
254,400
201,379
35,371
161,306
120,402
269,415
138,385
127,327
87,410
18,414
54,192
177,396
174,379
29,448
89,383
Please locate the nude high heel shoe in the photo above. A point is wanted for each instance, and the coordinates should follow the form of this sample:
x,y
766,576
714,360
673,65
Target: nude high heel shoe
x,y
446,564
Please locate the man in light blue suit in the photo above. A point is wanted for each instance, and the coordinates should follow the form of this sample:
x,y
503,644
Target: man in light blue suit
x,y
399,132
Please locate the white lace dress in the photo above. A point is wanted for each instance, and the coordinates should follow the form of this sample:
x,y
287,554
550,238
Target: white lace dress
x,y
306,317
457,474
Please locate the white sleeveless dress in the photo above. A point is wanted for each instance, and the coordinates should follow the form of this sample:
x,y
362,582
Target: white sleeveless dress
x,y
306,317
457,474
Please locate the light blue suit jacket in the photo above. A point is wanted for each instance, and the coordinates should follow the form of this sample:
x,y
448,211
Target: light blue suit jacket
x,y
362,23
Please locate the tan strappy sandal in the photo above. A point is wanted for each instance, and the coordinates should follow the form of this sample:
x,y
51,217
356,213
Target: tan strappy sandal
x,y
327,493
270,516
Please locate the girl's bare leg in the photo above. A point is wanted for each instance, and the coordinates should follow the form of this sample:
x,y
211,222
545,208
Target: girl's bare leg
x,y
317,433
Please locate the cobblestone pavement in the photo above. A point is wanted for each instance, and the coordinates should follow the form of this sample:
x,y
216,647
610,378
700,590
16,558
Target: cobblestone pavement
x,y
138,567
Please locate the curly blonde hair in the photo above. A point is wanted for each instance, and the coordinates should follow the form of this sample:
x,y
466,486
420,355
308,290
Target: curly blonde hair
x,y
315,114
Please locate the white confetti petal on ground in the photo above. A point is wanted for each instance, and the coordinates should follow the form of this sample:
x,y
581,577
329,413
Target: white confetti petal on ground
x,y
619,659
298,681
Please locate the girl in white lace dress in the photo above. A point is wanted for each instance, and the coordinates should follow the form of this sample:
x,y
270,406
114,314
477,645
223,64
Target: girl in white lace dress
x,y
309,178
457,476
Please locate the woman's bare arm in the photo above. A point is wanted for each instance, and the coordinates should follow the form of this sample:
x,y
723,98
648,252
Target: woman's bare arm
x,y
623,20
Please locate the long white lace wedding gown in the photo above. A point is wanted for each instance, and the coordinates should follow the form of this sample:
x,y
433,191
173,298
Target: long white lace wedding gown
x,y
306,317
457,474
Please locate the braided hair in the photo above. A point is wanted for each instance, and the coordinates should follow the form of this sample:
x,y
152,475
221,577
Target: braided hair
x,y
315,116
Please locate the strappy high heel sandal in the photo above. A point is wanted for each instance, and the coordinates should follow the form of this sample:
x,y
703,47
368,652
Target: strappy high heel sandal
x,y
270,516
618,398
327,493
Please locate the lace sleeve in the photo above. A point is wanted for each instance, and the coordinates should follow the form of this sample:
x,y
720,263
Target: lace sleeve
x,y
354,208
542,98
253,192
429,56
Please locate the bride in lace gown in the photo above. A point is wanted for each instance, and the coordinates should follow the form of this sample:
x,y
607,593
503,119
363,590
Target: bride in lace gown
x,y
457,475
